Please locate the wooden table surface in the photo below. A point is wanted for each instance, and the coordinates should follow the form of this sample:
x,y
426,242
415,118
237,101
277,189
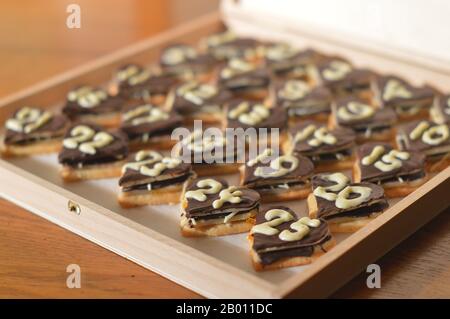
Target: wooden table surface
x,y
34,254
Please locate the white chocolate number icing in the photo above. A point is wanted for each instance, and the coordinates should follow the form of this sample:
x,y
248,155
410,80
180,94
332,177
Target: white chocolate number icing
x,y
207,187
344,202
337,70
86,140
276,167
158,168
28,119
281,52
355,111
178,54
294,90
142,158
434,135
87,96
327,192
395,89
236,67
258,113
301,227
230,194
274,218
377,151
152,114
321,136
197,93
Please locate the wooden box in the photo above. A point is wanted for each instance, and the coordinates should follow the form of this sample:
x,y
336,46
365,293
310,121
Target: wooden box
x,y
213,267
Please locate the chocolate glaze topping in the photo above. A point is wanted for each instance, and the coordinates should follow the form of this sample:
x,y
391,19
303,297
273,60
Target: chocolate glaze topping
x,y
115,151
345,140
354,80
186,107
369,173
276,119
272,248
201,210
327,209
148,83
300,174
132,177
53,128
186,59
317,100
380,118
236,48
252,79
302,58
421,96
150,129
418,144
111,104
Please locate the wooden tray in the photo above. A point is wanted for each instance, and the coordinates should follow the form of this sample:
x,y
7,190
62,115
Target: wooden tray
x,y
213,267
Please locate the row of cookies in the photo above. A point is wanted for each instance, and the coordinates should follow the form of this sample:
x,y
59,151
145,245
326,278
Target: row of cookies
x,y
92,152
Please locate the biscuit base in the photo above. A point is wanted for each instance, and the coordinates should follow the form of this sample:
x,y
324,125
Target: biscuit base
x,y
257,94
332,166
288,195
216,169
402,190
163,143
438,165
164,196
423,114
236,227
111,120
111,170
319,117
340,225
291,261
40,147
206,118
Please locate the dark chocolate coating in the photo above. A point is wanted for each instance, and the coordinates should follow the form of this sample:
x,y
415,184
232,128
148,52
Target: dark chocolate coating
x,y
197,209
370,173
345,140
355,80
152,129
198,64
112,104
381,117
237,48
155,84
115,151
133,177
276,119
54,128
422,96
327,209
254,79
318,100
316,236
301,173
418,145
301,59
185,107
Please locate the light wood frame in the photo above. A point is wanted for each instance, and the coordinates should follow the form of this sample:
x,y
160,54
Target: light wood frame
x,y
186,265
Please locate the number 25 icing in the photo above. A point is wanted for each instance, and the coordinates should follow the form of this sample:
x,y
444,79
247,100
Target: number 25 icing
x,y
276,217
